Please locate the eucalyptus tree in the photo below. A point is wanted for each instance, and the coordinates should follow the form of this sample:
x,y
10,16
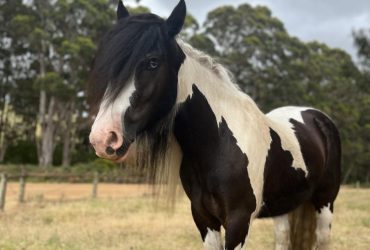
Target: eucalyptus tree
x,y
80,24
362,43
60,36
35,31
15,70
257,49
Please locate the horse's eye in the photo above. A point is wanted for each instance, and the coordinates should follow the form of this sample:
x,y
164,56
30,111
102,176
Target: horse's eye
x,y
153,64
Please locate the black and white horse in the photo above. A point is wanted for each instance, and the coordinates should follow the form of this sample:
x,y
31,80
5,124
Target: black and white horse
x,y
180,112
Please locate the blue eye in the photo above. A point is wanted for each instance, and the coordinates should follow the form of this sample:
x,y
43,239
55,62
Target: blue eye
x,y
153,64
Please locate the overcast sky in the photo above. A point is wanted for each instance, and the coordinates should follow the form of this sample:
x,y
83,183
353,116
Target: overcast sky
x,y
328,21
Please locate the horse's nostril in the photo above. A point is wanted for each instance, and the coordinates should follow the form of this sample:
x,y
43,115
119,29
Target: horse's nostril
x,y
113,138
110,150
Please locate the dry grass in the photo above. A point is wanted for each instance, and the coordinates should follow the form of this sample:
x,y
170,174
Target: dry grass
x,y
124,218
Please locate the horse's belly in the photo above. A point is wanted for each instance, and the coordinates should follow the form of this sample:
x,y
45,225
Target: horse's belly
x,y
282,204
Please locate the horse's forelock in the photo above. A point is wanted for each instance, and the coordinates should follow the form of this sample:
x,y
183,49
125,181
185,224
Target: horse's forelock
x,y
120,51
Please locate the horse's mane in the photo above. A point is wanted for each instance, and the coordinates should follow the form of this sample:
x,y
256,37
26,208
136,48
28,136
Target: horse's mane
x,y
209,62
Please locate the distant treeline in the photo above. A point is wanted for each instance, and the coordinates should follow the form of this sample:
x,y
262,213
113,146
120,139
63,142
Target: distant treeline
x,y
47,47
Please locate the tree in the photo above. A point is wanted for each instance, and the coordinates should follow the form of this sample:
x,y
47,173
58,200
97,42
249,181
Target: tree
x,y
81,24
13,61
35,31
60,37
362,42
257,49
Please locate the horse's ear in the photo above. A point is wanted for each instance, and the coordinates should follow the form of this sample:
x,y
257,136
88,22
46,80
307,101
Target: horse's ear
x,y
122,12
176,19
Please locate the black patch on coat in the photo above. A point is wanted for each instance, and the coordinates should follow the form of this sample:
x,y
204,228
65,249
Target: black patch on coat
x,y
284,186
213,171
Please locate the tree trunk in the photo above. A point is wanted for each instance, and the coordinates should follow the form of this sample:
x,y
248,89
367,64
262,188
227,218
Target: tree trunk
x,y
3,147
347,174
45,127
368,177
70,128
47,140
3,126
66,150
40,125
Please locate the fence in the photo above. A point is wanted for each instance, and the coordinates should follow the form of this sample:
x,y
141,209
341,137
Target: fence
x,y
4,178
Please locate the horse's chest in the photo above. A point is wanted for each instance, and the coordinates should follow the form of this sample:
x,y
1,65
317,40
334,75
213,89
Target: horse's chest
x,y
215,188
202,189
214,169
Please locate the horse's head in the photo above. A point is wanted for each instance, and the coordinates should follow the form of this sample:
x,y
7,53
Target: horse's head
x,y
134,79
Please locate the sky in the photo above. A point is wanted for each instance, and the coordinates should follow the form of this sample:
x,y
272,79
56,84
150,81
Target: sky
x,y
328,21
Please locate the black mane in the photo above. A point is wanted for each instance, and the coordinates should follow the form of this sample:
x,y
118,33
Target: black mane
x,y
121,50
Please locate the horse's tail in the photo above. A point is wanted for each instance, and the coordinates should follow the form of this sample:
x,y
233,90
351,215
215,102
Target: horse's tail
x,y
302,223
333,148
303,219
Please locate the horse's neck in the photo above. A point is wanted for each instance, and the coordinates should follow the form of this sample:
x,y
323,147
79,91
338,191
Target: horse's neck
x,y
243,117
212,107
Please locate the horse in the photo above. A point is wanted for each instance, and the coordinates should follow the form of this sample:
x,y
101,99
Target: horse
x,y
180,113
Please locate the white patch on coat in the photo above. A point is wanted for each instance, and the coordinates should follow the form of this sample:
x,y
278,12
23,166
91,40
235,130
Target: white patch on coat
x,y
282,232
243,117
324,219
239,247
280,123
213,240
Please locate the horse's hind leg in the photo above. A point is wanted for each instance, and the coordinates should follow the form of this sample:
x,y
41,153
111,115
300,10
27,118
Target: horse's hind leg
x,y
324,216
282,232
323,201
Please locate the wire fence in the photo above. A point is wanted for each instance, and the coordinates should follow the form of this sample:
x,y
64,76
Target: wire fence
x,y
63,187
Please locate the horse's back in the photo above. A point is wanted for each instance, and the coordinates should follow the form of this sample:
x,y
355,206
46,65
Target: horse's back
x,y
308,142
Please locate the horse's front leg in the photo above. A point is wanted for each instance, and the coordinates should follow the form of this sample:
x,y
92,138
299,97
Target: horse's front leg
x,y
237,227
209,229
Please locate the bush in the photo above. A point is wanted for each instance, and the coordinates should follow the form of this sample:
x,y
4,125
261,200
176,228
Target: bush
x,y
21,152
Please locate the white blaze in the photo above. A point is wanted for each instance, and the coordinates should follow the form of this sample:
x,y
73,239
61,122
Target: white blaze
x,y
113,112
109,120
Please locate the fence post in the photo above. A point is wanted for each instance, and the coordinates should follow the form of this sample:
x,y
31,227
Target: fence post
x,y
3,183
95,185
22,186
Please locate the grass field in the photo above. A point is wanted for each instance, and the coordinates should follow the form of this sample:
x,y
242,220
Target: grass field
x,y
61,216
